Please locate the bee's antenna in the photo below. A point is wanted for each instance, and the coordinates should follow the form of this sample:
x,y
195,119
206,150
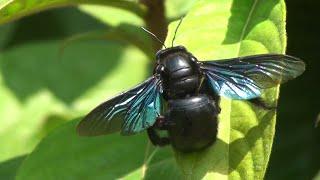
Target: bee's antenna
x,y
154,36
175,32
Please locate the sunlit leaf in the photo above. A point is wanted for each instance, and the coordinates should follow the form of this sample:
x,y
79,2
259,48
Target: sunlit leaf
x,y
13,9
110,15
177,8
224,29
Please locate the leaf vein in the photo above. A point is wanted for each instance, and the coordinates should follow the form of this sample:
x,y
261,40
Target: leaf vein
x,y
246,24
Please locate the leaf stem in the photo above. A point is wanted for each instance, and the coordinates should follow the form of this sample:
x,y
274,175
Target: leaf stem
x,y
155,20
148,157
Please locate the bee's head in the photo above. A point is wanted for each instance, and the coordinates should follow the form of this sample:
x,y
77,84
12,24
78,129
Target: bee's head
x,y
163,53
172,60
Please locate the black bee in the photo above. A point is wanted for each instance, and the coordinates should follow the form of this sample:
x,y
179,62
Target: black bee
x,y
182,96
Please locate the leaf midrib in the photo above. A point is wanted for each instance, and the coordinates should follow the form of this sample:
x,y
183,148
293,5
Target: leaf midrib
x,y
243,32
246,25
242,36
5,3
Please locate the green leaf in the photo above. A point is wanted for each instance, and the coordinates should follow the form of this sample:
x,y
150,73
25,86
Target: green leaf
x,y
39,89
13,9
65,155
211,30
5,34
224,29
317,177
103,14
125,28
43,89
124,33
317,123
176,9
39,86
8,169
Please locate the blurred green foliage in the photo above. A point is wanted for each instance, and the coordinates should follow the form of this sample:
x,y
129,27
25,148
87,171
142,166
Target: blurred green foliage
x,y
46,89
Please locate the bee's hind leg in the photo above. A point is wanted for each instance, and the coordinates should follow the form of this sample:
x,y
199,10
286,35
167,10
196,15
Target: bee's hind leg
x,y
162,123
259,102
156,139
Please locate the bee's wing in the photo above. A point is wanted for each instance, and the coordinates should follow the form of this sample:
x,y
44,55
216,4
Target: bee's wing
x,y
245,77
130,112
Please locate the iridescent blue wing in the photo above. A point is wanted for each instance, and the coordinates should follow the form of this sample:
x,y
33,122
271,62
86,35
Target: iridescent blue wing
x,y
130,112
245,77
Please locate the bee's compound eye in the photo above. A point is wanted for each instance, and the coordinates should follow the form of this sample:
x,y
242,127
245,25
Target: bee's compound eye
x,y
162,68
193,59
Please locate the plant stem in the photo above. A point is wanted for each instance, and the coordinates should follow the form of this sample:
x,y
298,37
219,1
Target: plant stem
x,y
155,20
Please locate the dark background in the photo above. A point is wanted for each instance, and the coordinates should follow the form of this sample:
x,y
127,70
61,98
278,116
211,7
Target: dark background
x,y
295,153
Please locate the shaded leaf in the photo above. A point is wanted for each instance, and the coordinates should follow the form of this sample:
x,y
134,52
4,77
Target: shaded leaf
x,y
5,34
102,153
103,157
64,22
43,84
9,168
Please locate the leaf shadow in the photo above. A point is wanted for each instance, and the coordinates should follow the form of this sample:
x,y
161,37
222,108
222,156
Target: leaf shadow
x,y
30,59
246,23
29,68
64,22
101,157
242,146
9,168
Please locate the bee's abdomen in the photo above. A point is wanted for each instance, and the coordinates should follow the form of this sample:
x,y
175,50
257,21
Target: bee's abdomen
x,y
195,121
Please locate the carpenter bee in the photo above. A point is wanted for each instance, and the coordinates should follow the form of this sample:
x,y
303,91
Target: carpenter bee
x,y
190,91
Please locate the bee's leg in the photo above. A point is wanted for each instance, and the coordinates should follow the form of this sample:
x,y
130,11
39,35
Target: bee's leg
x,y
156,139
259,102
163,123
